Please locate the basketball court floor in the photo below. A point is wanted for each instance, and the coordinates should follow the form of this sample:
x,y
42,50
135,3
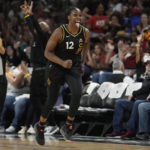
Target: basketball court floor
x,y
21,142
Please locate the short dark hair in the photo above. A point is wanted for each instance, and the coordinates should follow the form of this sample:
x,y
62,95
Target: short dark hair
x,y
70,9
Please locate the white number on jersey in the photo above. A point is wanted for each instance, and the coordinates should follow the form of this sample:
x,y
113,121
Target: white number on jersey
x,y
70,45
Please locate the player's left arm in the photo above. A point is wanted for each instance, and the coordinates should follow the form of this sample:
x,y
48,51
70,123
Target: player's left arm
x,y
85,49
86,46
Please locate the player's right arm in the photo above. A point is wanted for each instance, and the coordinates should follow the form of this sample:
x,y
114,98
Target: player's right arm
x,y
50,47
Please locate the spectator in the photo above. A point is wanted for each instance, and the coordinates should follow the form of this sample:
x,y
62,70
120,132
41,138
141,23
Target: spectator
x,y
144,110
118,73
17,97
99,56
128,55
102,59
144,22
12,58
97,24
102,54
130,105
115,23
30,120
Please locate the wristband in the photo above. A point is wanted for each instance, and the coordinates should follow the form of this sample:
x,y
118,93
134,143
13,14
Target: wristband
x,y
27,75
26,16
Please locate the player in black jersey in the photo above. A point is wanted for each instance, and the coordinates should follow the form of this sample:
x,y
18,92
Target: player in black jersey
x,y
66,49
41,33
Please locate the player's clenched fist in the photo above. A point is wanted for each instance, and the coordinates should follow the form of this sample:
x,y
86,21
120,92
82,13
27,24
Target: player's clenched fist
x,y
67,64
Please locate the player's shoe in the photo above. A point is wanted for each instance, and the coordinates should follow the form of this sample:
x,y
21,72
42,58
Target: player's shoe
x,y
39,134
66,131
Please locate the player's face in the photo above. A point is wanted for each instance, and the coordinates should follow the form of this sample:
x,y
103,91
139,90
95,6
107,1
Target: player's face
x,y
75,16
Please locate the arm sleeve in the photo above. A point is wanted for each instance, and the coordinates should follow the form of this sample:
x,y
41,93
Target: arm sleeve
x,y
36,26
33,24
30,25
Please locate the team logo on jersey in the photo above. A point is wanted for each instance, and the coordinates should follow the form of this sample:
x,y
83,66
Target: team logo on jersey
x,y
80,46
48,81
80,41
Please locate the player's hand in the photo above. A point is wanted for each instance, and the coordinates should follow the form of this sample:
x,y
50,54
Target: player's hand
x,y
24,7
67,64
27,9
30,8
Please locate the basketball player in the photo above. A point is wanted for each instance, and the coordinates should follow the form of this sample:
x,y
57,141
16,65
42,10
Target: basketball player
x,y
66,50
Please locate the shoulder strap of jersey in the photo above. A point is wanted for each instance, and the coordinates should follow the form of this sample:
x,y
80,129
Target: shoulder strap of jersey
x,y
83,28
63,33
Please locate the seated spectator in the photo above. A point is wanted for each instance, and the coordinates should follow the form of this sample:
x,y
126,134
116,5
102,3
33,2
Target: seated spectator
x,y
118,73
17,97
18,106
131,105
127,54
100,77
30,119
12,58
116,76
102,59
144,110
99,57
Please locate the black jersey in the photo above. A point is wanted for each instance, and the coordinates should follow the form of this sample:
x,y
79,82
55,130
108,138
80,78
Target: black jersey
x,y
38,47
71,45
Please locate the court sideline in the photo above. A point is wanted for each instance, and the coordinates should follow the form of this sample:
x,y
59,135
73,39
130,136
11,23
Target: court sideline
x,y
21,142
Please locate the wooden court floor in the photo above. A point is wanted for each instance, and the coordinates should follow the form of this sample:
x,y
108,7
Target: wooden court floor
x,y
14,142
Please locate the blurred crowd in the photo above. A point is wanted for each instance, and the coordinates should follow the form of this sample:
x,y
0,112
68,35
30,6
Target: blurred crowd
x,y
114,27
119,29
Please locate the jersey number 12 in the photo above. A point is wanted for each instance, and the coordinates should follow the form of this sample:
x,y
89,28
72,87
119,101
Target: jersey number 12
x,y
70,45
